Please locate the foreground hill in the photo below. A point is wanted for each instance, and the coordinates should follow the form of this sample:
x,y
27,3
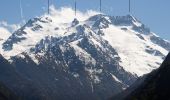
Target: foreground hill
x,y
6,94
154,87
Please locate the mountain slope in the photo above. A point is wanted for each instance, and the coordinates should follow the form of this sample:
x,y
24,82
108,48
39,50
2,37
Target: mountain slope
x,y
131,44
91,56
4,36
19,85
156,85
75,61
6,94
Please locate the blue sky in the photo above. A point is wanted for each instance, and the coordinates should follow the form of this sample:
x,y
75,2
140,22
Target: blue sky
x,y
153,13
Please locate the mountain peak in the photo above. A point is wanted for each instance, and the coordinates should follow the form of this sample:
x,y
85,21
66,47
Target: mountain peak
x,y
127,20
32,21
131,17
100,21
75,22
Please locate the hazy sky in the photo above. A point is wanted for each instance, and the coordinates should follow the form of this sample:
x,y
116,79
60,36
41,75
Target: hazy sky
x,y
153,13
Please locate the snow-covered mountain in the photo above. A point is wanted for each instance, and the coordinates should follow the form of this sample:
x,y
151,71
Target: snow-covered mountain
x,y
4,36
128,36
96,54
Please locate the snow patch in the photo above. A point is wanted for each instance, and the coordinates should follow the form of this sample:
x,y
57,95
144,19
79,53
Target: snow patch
x,y
116,79
93,73
131,50
82,54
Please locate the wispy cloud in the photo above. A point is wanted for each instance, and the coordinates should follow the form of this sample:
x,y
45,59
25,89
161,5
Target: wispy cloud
x,y
67,14
10,27
62,15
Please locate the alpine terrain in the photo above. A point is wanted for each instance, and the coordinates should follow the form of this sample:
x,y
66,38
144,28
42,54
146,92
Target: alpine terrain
x,y
88,57
155,85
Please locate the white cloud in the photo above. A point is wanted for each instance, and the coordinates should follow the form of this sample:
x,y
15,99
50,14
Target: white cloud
x,y
67,14
10,27
4,33
3,23
62,15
